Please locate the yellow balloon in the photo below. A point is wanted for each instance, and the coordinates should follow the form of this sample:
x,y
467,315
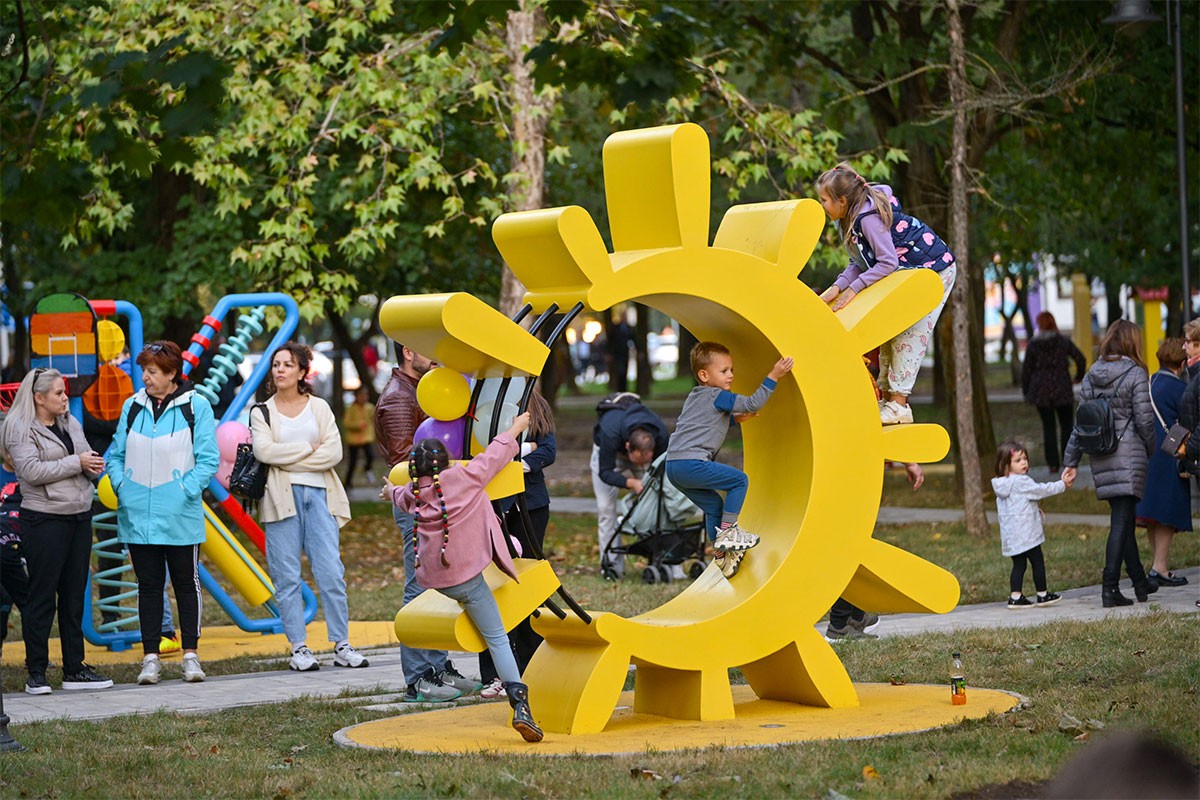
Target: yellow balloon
x,y
443,394
107,496
111,339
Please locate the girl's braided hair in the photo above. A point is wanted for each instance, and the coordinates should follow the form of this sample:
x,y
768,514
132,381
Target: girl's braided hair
x,y
427,459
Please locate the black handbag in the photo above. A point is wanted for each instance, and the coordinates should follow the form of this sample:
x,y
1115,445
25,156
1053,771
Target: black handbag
x,y
248,480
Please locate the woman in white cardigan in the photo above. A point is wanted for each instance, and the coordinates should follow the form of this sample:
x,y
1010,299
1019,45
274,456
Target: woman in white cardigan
x,y
304,505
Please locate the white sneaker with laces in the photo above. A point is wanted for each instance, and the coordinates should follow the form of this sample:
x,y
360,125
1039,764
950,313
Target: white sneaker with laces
x,y
734,538
192,671
344,655
151,671
493,690
303,660
892,413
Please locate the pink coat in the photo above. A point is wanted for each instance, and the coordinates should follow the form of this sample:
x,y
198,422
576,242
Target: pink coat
x,y
476,537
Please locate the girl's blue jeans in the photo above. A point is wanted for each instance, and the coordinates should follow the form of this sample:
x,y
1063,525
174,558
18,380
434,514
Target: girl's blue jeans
x,y
480,606
702,480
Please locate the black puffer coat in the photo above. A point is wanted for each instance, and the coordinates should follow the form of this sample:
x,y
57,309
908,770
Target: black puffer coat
x,y
1046,373
1189,417
1123,472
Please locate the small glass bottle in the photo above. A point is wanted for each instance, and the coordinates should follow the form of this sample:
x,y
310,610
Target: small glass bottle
x,y
958,681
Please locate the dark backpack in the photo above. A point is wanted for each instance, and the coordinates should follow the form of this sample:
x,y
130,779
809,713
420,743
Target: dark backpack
x,y
1095,425
618,400
188,413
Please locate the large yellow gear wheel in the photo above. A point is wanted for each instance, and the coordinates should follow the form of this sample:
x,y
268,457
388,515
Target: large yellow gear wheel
x,y
814,456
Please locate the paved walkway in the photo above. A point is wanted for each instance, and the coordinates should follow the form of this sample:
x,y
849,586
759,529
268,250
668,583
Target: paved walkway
x,y
382,683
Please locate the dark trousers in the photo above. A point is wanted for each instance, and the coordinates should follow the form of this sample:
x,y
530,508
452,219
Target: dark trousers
x,y
368,454
14,584
523,639
1122,544
842,612
1055,442
150,563
1035,558
57,550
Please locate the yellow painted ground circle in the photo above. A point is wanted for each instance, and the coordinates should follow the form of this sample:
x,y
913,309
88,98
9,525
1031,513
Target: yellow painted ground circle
x,y
884,710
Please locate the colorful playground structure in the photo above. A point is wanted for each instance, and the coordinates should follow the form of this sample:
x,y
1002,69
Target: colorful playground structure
x,y
818,442
79,338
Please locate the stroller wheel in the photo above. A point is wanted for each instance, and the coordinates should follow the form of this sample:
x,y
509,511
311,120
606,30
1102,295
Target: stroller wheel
x,y
664,573
649,575
694,568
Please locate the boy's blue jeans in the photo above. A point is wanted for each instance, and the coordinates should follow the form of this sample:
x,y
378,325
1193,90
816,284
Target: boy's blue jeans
x,y
702,480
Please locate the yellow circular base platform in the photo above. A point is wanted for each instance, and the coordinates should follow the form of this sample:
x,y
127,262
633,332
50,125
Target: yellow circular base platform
x,y
883,710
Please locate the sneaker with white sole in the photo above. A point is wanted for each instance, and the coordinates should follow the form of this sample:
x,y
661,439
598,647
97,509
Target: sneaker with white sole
x,y
85,679
729,563
344,655
429,689
733,539
192,671
494,690
36,684
303,660
892,413
151,671
452,677
833,634
1048,599
868,623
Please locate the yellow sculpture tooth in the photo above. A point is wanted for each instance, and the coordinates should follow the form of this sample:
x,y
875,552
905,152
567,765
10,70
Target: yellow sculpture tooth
x,y
656,186
557,253
885,309
784,232
464,333
915,444
894,580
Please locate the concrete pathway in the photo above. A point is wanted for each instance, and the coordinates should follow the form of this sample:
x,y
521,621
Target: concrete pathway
x,y
381,684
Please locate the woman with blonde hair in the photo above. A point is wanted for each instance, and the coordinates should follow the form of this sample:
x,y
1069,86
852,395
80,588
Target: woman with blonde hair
x,y
55,467
1120,476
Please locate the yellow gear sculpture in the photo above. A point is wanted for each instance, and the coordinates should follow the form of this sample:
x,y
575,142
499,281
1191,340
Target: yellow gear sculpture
x,y
814,456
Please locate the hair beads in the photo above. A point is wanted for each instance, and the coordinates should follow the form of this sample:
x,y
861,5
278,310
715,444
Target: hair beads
x,y
431,454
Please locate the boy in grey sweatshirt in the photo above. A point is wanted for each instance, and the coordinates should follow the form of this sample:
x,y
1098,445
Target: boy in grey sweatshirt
x,y
699,433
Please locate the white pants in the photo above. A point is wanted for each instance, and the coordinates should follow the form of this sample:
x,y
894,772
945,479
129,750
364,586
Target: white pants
x,y
606,517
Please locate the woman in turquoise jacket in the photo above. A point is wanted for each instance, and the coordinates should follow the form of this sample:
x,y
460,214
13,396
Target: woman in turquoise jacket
x,y
163,455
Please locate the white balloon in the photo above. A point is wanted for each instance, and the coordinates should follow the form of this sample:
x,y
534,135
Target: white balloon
x,y
482,426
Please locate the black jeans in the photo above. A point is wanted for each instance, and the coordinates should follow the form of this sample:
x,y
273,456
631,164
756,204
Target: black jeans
x,y
150,563
368,454
523,639
1122,544
1055,443
1017,578
842,612
57,550
14,584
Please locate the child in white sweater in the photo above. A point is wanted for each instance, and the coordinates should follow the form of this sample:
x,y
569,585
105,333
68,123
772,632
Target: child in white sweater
x,y
1021,533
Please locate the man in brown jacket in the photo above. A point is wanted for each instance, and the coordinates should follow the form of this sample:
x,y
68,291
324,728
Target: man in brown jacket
x,y
428,673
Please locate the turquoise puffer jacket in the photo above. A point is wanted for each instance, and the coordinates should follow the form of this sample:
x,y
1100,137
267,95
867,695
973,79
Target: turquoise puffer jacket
x,y
159,468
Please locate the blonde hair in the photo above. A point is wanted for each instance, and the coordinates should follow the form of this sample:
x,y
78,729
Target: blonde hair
x,y
843,183
23,412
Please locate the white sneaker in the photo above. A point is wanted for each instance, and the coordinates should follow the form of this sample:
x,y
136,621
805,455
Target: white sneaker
x,y
344,655
493,690
891,413
151,670
303,660
192,672
734,538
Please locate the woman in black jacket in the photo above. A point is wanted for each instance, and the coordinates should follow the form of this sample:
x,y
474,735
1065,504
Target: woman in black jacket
x,y
1120,476
1046,384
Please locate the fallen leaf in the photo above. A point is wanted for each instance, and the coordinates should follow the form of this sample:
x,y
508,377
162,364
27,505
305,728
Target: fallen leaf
x,y
869,773
1139,652
1070,725
215,750
897,680
1083,737
644,774
1094,725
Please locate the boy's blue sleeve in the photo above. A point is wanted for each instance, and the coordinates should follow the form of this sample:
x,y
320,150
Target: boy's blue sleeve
x,y
725,400
732,403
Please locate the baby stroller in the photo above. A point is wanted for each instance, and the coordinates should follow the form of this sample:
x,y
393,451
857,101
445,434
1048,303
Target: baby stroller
x,y
660,525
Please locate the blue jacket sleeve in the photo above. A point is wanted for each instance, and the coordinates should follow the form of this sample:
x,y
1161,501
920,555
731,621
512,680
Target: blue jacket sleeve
x,y
544,455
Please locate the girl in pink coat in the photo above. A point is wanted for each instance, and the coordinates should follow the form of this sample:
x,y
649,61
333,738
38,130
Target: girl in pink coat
x,y
458,535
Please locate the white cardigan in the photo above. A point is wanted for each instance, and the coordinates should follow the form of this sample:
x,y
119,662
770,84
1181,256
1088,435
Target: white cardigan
x,y
284,458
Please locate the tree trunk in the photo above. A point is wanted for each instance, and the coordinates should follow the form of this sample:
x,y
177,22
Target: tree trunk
x,y
964,412
522,31
640,334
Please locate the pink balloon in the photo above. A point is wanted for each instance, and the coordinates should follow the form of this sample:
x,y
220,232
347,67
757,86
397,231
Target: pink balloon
x,y
229,436
448,433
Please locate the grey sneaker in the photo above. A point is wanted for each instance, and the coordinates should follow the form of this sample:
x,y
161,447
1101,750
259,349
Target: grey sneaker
x,y
868,623
429,689
151,671
303,660
833,634
452,677
344,655
192,671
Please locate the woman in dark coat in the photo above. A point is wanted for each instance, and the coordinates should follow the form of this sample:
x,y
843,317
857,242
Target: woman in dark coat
x,y
1120,476
1166,507
1046,384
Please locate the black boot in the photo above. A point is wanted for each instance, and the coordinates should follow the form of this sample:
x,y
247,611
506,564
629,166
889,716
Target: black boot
x,y
1144,588
522,721
1113,597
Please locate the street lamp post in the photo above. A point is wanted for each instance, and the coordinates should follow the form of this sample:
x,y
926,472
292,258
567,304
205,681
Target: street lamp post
x,y
1133,17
